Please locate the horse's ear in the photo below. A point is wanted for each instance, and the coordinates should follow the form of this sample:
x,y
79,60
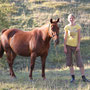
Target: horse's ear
x,y
58,20
51,20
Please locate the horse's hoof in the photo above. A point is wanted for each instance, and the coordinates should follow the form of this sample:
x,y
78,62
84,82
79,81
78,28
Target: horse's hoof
x,y
31,81
13,78
44,78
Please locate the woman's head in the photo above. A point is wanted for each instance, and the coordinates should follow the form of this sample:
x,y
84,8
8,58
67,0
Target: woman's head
x,y
71,18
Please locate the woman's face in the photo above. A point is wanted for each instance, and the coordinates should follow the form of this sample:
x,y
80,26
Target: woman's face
x,y
71,19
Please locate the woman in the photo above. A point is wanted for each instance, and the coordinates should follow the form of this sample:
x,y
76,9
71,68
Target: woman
x,y
72,45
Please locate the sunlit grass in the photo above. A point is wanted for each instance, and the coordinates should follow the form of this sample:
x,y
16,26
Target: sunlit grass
x,y
55,4
57,79
84,7
85,38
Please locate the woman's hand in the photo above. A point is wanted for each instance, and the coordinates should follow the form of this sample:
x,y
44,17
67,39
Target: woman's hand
x,y
65,50
78,48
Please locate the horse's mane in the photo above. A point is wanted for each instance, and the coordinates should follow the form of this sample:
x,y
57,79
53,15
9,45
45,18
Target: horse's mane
x,y
44,26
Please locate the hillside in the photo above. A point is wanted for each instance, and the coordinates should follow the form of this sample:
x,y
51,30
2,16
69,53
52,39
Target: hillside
x,y
34,13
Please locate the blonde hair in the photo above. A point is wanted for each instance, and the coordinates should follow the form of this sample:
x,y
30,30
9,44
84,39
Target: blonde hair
x,y
70,16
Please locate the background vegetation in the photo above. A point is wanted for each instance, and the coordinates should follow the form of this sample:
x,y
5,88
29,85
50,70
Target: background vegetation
x,y
28,14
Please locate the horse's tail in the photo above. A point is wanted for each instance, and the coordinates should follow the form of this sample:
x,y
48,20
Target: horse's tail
x,y
1,49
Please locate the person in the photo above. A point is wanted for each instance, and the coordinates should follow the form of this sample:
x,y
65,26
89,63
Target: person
x,y
72,46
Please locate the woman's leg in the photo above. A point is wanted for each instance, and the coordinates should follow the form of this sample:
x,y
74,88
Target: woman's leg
x,y
82,71
83,74
72,74
71,70
81,66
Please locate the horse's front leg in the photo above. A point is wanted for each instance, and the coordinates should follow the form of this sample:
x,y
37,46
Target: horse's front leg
x,y
43,60
33,57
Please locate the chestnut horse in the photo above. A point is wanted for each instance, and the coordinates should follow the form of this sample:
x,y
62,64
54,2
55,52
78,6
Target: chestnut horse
x,y
29,43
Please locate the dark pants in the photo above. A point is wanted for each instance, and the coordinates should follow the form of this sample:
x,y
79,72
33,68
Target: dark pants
x,y
69,61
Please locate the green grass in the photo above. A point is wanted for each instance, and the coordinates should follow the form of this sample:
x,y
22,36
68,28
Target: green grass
x,y
57,79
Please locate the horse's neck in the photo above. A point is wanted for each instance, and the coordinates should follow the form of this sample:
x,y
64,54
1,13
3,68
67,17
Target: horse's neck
x,y
46,36
48,32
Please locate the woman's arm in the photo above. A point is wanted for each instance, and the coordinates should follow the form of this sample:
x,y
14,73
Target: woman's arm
x,y
65,40
79,38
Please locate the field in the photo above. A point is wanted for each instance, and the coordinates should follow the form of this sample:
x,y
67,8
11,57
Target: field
x,y
57,79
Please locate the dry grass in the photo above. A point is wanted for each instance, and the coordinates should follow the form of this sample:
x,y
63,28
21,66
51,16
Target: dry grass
x,y
57,79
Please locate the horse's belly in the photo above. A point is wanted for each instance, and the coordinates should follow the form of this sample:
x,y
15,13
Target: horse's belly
x,y
23,52
21,49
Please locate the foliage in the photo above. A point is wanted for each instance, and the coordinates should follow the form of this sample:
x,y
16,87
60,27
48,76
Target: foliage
x,y
5,13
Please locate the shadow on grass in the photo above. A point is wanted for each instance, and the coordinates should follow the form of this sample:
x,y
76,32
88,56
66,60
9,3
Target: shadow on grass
x,y
56,79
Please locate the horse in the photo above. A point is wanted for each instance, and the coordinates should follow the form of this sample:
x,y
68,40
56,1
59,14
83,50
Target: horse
x,y
32,43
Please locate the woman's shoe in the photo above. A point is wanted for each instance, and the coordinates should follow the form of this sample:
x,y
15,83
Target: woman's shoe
x,y
85,79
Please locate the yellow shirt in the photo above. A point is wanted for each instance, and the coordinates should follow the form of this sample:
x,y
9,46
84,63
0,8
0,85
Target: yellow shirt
x,y
72,38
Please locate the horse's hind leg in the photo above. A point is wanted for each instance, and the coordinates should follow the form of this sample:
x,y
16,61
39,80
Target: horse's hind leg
x,y
33,57
43,60
10,58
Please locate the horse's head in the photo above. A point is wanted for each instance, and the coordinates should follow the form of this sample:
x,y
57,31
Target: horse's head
x,y
54,30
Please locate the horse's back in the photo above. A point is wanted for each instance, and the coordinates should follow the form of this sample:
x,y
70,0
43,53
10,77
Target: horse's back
x,y
8,32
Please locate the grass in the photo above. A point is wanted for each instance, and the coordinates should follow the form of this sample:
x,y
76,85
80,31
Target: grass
x,y
57,79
